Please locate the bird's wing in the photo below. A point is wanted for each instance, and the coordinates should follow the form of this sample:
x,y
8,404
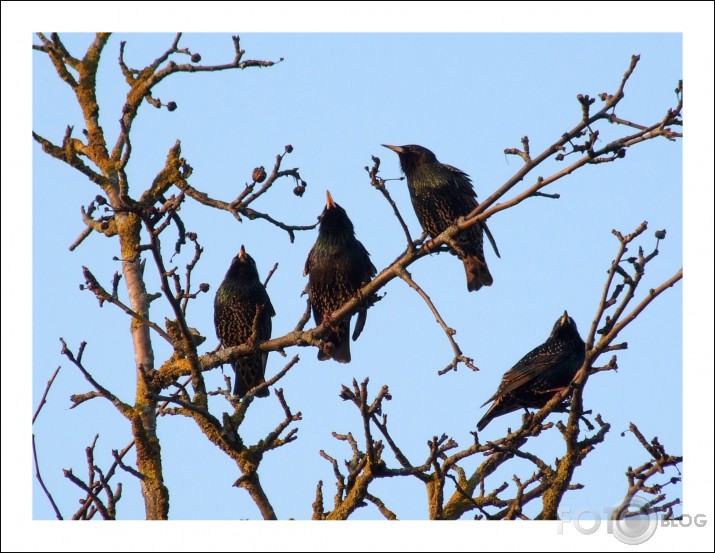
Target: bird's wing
x,y
491,239
268,306
360,323
362,256
267,326
464,184
530,367
370,272
219,319
309,289
308,263
469,195
266,335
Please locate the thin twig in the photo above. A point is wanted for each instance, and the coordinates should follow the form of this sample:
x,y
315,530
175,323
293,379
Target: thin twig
x,y
43,400
450,332
85,233
92,284
42,483
122,407
387,513
379,184
270,274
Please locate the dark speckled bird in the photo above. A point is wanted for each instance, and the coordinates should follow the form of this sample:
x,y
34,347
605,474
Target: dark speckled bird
x,y
440,195
542,372
241,293
338,265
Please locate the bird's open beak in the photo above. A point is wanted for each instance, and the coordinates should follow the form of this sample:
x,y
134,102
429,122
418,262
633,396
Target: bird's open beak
x,y
242,253
396,149
330,203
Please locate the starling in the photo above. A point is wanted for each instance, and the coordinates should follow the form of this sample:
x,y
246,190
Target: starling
x,y
338,265
238,298
440,195
542,372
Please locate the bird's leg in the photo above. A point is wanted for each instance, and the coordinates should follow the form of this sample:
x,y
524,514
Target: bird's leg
x,y
358,293
428,246
562,407
328,322
461,254
328,349
419,240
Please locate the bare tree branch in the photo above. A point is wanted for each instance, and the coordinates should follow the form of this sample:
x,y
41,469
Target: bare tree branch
x,y
114,213
638,478
42,483
122,407
43,399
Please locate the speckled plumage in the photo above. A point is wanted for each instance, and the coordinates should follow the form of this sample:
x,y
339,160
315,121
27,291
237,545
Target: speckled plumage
x,y
338,265
542,372
241,293
441,194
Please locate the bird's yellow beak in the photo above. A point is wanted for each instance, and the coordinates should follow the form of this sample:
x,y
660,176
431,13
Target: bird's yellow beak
x,y
242,253
396,149
330,203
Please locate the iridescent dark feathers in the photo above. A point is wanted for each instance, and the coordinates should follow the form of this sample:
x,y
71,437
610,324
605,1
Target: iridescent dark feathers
x,y
240,298
338,265
542,372
441,194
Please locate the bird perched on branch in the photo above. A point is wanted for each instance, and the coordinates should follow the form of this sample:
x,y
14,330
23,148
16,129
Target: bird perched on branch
x,y
338,265
542,372
440,195
242,304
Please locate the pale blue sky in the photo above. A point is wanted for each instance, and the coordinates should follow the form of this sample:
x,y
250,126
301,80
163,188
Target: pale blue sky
x,y
336,98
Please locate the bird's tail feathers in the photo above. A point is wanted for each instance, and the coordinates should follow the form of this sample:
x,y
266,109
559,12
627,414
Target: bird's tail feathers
x,y
478,274
487,418
340,342
498,408
340,353
241,384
